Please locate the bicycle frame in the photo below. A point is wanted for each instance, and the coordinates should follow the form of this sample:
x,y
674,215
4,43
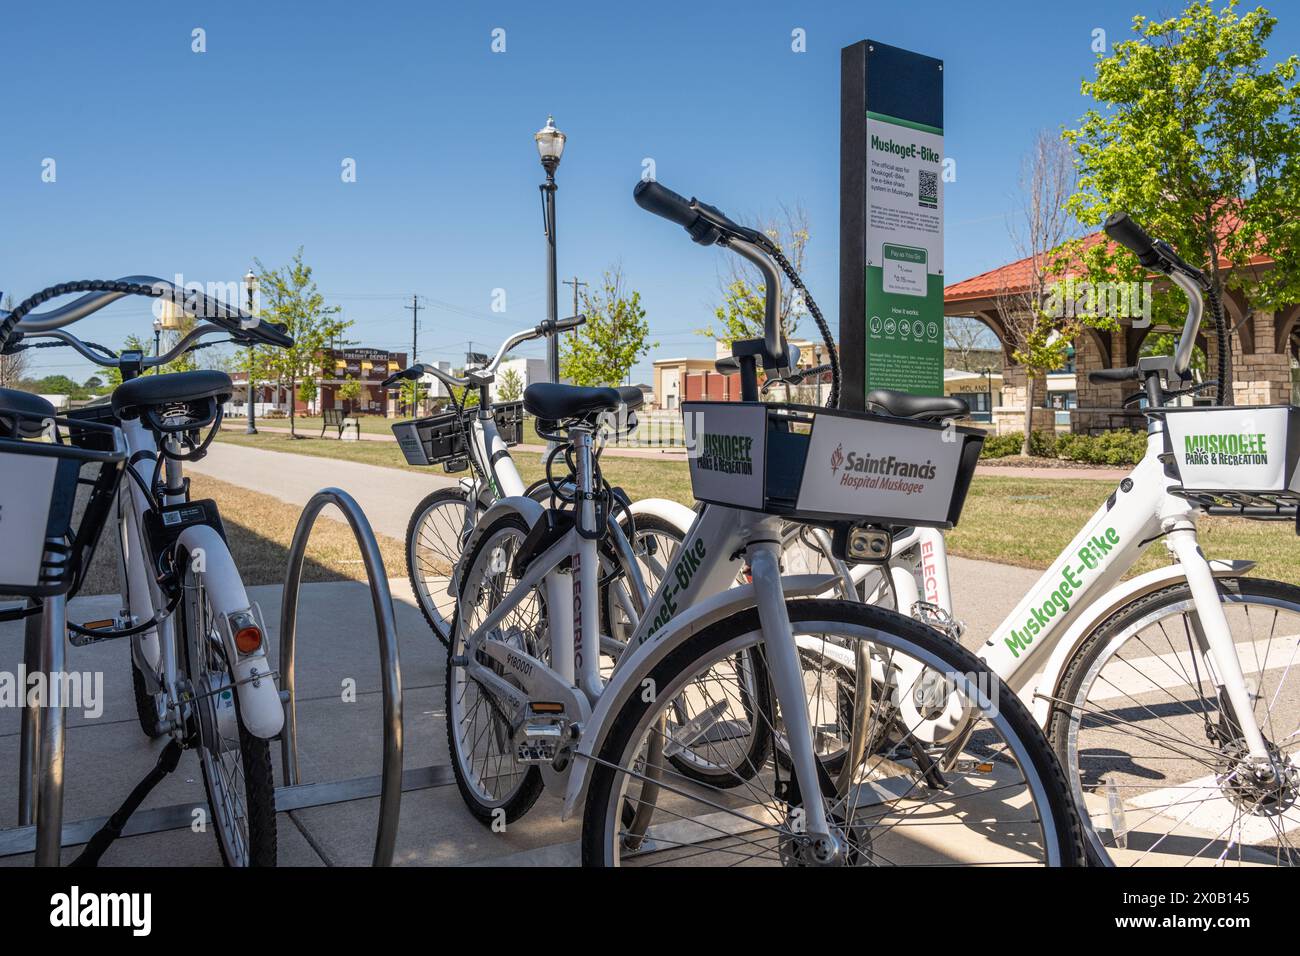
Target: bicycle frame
x,y
696,590
155,652
1031,647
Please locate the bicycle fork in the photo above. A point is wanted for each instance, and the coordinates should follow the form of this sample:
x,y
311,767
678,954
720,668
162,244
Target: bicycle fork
x,y
787,680
1215,639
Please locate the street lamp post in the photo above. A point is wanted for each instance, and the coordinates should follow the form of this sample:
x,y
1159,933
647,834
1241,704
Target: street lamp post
x,y
157,341
988,381
250,287
550,147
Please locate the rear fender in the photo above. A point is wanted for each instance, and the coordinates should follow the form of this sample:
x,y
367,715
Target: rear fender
x,y
260,707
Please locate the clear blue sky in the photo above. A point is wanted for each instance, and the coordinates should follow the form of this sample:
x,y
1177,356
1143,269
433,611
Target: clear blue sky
x,y
170,161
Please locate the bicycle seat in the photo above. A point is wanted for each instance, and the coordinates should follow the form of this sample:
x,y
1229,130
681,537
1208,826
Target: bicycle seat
x,y
149,390
553,401
17,402
630,396
887,401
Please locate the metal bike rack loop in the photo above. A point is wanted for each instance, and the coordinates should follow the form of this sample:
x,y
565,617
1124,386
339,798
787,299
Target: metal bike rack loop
x,y
390,795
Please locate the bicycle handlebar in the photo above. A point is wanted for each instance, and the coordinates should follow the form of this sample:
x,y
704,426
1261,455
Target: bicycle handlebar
x,y
485,375
245,328
1131,236
708,225
1160,256
704,223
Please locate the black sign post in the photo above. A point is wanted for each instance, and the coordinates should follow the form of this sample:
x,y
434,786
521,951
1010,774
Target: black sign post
x,y
891,221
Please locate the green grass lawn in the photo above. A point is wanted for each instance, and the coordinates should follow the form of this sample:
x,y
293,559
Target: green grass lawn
x,y
1020,521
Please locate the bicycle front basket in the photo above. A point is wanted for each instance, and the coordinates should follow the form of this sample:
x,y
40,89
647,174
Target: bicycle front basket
x,y
1248,449
828,465
431,440
55,495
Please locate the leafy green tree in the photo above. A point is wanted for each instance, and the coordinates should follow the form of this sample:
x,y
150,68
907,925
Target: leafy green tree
x,y
290,297
349,392
307,390
740,314
1197,139
510,386
614,338
466,397
1038,334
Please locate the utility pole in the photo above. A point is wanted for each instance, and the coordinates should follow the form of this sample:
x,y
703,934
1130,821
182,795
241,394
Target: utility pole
x,y
415,339
575,283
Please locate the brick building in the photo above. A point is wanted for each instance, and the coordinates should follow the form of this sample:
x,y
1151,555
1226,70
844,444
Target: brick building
x,y
1265,354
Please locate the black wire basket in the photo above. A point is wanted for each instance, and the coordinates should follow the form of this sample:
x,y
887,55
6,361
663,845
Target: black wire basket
x,y
58,477
438,439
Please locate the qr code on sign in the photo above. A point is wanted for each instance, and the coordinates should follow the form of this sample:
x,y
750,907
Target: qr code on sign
x,y
927,189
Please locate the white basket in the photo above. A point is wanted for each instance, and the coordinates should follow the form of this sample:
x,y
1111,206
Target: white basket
x,y
828,466
1251,449
55,496
26,493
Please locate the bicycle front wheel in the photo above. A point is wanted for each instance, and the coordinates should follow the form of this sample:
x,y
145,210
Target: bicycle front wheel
x,y
1151,745
994,795
435,536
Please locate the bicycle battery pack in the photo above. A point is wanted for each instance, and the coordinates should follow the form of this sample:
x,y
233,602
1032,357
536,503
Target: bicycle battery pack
x,y
163,526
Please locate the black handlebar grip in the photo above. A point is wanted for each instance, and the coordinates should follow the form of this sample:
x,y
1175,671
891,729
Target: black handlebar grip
x,y
662,201
572,322
1127,374
1131,236
414,372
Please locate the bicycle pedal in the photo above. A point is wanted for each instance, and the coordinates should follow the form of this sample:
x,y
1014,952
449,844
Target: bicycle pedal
x,y
939,619
112,624
972,766
538,743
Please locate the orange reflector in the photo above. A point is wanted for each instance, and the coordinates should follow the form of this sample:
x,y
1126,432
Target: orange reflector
x,y
98,625
546,707
248,639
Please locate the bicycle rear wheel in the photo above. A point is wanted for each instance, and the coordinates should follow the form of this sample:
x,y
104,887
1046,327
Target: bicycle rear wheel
x,y
237,773
999,798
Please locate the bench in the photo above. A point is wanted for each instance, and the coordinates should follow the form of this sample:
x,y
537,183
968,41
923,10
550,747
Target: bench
x,y
333,418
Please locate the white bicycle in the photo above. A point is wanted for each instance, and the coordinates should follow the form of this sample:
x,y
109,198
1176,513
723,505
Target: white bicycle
x,y
478,439
199,667
1169,698
712,673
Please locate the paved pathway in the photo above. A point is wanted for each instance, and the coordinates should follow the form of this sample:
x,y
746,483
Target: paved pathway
x,y
673,453
388,496
668,453
1060,474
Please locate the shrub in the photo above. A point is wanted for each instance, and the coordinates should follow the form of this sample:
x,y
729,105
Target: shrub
x,y
1000,446
1109,448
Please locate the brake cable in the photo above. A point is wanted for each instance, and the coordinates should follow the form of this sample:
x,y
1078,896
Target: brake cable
x,y
1221,336
831,352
